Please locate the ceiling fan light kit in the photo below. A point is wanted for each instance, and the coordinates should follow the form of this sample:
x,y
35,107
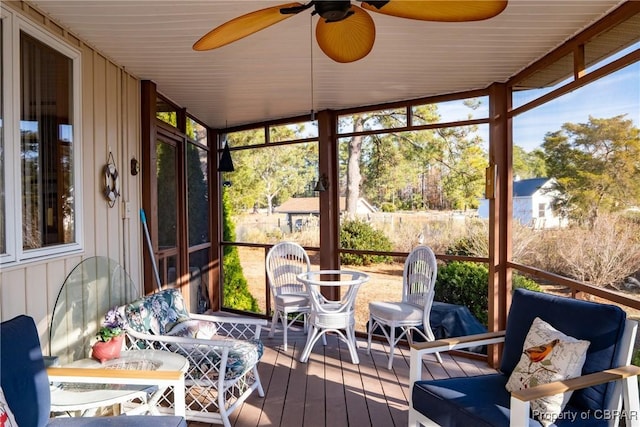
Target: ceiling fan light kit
x,y
345,32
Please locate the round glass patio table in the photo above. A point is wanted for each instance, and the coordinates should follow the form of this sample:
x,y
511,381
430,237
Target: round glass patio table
x,y
327,315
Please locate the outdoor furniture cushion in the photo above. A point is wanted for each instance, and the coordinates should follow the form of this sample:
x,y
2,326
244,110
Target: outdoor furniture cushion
x,y
484,400
157,313
396,310
243,354
548,355
164,313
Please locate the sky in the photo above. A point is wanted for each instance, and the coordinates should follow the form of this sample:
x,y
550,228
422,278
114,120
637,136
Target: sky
x,y
616,94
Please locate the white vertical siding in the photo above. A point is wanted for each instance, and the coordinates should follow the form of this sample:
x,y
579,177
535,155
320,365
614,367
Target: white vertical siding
x,y
110,122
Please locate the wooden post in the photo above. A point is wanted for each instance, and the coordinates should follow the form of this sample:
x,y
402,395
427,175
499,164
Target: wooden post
x,y
500,213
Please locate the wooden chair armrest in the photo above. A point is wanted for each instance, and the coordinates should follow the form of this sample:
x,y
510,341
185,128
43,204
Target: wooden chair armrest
x,y
167,378
628,375
420,349
556,387
113,376
456,343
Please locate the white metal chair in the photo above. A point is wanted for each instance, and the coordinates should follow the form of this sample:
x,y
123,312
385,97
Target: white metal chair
x,y
223,352
418,285
284,262
329,315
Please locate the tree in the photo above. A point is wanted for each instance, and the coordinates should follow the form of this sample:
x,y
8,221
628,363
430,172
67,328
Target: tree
x,y
235,288
596,165
528,164
267,176
434,168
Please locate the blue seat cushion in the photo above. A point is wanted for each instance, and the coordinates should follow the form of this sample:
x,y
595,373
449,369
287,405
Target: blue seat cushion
x,y
480,401
600,324
23,376
468,401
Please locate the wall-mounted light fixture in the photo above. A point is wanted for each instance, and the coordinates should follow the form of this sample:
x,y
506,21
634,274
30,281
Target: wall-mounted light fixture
x,y
135,166
322,184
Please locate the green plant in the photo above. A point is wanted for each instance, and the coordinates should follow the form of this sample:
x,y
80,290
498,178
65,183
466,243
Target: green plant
x,y
464,283
112,326
467,283
388,207
357,234
518,281
235,288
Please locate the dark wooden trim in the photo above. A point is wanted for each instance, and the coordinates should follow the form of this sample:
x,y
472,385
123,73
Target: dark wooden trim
x,y
500,151
329,205
605,70
621,14
148,161
576,286
414,101
215,226
411,128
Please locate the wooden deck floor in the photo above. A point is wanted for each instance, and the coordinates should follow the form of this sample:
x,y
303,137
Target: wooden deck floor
x,y
330,391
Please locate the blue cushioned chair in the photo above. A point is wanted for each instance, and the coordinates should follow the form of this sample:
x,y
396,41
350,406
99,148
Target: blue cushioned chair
x,y
607,378
25,384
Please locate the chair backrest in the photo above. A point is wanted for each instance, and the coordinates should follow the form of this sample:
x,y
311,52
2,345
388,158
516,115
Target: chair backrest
x,y
284,262
23,376
419,278
156,313
603,325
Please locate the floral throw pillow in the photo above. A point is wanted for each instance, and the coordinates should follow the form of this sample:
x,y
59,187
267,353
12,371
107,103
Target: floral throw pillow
x,y
548,355
6,416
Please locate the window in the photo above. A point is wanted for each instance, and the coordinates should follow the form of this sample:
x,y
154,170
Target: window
x,y
39,118
541,210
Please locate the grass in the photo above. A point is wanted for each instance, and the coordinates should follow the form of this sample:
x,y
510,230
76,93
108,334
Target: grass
x,y
385,282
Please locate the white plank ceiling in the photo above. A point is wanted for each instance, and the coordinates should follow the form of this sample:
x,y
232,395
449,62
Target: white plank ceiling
x,y
268,74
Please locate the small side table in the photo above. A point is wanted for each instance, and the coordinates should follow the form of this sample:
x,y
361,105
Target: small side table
x,y
135,374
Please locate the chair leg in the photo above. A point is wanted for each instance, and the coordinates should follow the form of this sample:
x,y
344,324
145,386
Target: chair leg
x,y
274,320
311,340
352,344
372,326
256,377
392,346
285,327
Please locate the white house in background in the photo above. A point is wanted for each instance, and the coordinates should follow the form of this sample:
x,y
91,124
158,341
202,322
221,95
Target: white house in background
x,y
532,203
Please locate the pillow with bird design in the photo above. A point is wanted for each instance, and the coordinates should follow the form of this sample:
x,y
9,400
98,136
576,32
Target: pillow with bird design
x,y
548,355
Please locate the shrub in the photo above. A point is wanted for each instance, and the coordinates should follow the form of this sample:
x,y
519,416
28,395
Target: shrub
x,y
464,283
467,283
388,207
358,234
603,255
518,281
235,289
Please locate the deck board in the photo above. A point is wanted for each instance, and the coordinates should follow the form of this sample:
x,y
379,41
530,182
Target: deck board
x,y
330,391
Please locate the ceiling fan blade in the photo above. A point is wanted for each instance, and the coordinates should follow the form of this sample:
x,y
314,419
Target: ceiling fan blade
x,y
439,10
243,26
348,40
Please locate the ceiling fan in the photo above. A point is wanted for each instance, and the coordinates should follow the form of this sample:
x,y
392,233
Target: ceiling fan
x,y
346,32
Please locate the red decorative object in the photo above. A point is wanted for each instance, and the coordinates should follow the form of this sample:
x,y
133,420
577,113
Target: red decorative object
x,y
104,351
